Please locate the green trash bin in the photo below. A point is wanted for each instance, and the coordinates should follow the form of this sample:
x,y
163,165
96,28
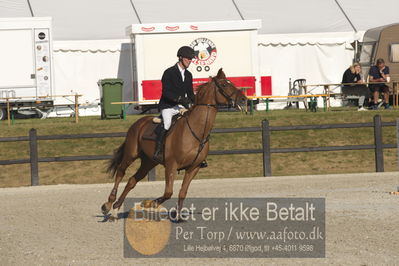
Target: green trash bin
x,y
111,91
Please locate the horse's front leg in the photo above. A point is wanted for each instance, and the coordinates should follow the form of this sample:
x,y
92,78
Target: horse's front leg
x,y
188,177
170,172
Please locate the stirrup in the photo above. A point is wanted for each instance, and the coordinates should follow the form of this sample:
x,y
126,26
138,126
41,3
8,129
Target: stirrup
x,y
203,164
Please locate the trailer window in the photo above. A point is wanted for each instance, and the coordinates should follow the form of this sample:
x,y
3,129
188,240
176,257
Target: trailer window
x,y
394,53
366,54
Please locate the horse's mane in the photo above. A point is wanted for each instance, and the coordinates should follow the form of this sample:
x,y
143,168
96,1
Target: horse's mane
x,y
201,89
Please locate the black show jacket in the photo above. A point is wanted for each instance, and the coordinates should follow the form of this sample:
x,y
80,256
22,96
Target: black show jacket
x,y
173,87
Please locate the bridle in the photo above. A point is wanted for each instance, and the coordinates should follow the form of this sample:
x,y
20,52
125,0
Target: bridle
x,y
220,88
204,139
229,98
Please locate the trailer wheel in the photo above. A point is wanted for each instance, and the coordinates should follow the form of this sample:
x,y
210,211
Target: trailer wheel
x,y
3,114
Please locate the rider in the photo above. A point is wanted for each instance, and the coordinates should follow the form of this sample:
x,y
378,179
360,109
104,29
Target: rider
x,y
177,93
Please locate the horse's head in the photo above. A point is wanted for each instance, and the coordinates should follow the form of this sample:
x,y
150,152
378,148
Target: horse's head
x,y
226,92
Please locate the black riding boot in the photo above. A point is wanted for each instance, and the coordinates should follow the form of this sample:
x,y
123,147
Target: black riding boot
x,y
158,154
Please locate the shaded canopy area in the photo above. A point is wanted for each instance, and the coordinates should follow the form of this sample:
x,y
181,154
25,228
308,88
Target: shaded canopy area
x,y
104,19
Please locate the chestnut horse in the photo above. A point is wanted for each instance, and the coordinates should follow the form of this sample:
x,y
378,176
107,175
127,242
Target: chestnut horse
x,y
186,144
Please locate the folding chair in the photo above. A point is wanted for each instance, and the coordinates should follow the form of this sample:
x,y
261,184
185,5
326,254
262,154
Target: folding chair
x,y
296,89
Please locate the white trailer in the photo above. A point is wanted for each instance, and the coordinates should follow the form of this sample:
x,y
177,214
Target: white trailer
x,y
231,45
26,65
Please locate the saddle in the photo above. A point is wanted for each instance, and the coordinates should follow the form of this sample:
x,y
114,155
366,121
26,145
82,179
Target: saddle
x,y
152,132
153,129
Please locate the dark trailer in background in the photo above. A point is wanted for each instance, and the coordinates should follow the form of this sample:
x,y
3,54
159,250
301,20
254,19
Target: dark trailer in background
x,y
381,42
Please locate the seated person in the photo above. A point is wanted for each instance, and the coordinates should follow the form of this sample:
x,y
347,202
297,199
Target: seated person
x,y
379,73
352,75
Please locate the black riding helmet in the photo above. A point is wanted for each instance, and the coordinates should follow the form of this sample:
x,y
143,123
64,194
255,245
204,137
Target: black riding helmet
x,y
186,52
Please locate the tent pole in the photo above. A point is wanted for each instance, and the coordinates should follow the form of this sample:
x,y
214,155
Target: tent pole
x,y
356,52
30,8
346,16
135,11
238,10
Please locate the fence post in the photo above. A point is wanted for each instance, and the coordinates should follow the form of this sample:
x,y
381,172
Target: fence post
x,y
76,108
34,160
379,152
397,140
267,169
151,175
8,111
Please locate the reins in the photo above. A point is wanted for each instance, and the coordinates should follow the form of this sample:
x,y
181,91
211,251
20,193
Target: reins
x,y
202,141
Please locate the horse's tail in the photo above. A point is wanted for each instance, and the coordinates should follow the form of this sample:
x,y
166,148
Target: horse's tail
x,y
116,160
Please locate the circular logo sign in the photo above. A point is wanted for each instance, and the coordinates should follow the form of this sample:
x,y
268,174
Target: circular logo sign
x,y
42,35
147,229
205,51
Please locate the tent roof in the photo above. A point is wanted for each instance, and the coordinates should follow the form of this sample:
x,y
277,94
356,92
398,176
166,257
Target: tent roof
x,y
104,19
326,38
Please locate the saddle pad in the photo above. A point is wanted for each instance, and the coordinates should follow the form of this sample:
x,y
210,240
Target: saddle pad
x,y
149,133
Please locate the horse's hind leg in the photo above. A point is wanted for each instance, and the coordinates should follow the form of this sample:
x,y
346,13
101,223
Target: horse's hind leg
x,y
120,173
145,167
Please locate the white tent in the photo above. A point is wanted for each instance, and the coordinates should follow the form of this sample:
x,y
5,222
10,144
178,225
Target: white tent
x,y
102,19
298,39
317,57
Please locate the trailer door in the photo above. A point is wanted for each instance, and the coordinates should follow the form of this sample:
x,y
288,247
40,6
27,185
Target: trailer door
x,y
17,64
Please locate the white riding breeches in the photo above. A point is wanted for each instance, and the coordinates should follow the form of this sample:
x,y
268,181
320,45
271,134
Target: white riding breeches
x,y
168,113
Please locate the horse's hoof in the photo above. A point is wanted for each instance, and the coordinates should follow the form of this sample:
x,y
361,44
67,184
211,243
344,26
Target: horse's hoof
x,y
114,215
146,203
106,208
149,204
